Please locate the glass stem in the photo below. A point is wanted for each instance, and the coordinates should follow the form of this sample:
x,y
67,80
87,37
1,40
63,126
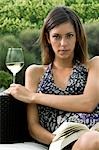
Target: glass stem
x,y
14,78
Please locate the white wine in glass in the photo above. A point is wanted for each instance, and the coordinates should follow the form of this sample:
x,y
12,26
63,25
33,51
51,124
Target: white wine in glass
x,y
14,60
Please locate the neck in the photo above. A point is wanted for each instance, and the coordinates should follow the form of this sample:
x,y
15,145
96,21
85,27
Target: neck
x,y
62,64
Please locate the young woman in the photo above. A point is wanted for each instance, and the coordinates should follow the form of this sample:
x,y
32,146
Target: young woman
x,y
65,87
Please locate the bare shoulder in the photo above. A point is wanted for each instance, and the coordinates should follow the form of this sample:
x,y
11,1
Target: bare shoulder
x,y
36,71
95,59
34,68
94,62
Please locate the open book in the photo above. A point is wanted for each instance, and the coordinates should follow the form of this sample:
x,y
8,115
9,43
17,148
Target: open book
x,y
69,132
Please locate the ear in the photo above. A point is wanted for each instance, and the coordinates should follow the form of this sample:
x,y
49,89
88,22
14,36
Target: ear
x,y
47,37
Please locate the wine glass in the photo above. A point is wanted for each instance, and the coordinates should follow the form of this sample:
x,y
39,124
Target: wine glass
x,y
14,60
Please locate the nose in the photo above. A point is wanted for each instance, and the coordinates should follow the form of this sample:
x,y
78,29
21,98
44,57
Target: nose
x,y
63,41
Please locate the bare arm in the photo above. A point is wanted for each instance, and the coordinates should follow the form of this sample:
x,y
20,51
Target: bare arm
x,y
36,130
75,103
85,102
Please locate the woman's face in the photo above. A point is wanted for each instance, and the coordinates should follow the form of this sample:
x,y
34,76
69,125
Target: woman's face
x,y
62,39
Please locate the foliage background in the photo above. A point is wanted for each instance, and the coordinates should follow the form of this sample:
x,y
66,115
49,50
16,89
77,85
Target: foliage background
x,y
16,15
21,21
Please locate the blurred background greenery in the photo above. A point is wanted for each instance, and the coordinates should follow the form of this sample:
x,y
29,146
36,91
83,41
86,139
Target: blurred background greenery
x,y
20,23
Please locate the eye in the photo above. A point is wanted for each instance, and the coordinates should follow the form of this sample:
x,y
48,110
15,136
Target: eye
x,y
56,37
69,35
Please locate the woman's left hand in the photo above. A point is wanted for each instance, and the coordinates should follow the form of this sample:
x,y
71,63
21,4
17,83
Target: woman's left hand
x,y
20,92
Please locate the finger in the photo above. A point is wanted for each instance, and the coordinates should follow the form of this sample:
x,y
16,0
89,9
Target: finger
x,y
12,85
7,91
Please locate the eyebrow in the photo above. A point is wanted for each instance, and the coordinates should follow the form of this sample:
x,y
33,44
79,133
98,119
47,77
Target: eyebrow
x,y
65,34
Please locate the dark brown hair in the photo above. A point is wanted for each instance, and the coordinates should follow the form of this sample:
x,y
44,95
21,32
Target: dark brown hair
x,y
57,16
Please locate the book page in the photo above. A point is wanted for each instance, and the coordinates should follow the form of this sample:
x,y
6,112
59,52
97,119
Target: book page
x,y
66,141
61,143
56,145
95,127
68,128
69,132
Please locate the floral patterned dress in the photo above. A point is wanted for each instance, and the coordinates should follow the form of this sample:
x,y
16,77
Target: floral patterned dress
x,y
51,118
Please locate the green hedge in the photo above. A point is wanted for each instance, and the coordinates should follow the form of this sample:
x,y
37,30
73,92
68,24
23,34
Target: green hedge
x,y
5,80
6,41
28,40
17,15
93,38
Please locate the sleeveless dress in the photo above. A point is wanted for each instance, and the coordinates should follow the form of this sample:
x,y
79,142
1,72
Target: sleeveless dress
x,y
51,118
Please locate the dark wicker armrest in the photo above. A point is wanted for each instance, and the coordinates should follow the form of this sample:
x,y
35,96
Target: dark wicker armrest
x,y
13,121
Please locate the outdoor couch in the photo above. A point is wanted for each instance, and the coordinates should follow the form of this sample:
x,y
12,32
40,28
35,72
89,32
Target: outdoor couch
x,y
14,134
13,120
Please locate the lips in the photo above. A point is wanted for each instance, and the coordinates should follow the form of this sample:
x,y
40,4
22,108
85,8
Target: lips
x,y
64,50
